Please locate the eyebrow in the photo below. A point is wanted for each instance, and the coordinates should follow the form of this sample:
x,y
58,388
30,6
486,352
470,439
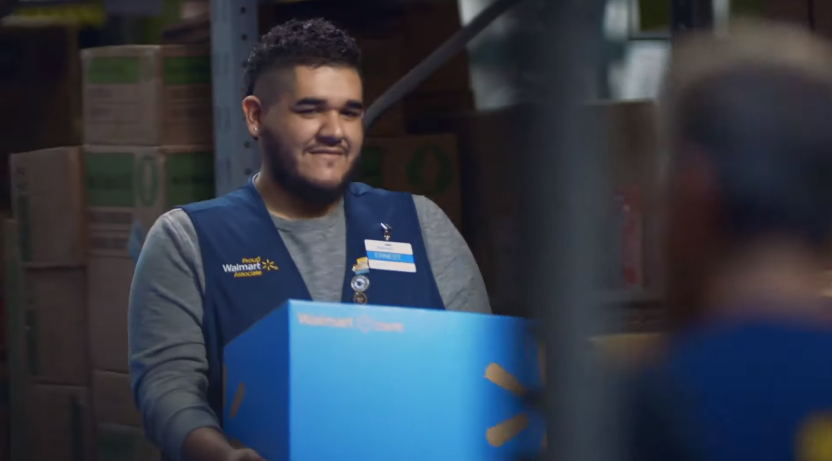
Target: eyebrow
x,y
318,102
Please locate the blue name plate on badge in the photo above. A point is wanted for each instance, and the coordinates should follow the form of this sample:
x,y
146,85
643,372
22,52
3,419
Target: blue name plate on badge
x,y
390,256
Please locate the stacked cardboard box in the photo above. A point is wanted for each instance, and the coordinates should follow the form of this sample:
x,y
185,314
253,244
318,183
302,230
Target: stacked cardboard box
x,y
40,95
48,328
41,106
491,162
68,266
382,67
425,165
148,148
392,159
490,190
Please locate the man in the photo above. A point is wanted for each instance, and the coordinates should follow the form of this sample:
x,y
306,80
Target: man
x,y
298,230
748,371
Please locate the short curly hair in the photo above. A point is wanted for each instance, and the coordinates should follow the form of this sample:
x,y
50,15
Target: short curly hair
x,y
312,42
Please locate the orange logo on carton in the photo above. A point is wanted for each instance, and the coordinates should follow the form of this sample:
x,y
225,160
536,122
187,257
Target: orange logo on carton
x,y
363,323
505,431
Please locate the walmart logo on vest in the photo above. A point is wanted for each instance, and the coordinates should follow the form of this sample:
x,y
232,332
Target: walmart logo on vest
x,y
250,267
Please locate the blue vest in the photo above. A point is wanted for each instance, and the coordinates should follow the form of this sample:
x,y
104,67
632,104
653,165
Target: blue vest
x,y
749,391
236,233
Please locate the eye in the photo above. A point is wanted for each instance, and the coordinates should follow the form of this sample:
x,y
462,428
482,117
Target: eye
x,y
351,113
307,111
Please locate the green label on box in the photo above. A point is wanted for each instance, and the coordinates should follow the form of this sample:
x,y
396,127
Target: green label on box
x,y
372,167
147,180
188,70
656,14
190,178
127,181
747,7
114,71
109,179
430,171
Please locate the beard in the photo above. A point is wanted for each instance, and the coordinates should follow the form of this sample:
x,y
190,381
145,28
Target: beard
x,y
283,167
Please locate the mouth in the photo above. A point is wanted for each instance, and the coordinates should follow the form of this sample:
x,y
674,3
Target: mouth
x,y
325,151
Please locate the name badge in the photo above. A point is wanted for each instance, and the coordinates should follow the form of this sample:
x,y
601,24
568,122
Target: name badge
x,y
390,256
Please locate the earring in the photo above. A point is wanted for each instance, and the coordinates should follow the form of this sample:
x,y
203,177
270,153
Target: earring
x,y
255,128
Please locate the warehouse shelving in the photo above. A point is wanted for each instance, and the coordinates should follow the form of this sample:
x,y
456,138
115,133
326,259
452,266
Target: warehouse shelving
x,y
234,30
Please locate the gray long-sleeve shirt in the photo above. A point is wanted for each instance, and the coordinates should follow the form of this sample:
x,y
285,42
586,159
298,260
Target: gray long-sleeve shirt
x,y
168,361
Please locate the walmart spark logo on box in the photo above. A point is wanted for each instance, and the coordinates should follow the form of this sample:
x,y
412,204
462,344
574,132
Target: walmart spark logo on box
x,y
317,381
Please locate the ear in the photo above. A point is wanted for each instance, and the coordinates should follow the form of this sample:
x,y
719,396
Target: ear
x,y
253,110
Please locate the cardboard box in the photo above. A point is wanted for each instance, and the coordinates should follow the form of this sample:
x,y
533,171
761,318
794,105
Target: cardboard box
x,y
48,202
382,66
129,187
112,399
491,183
406,384
118,424
422,106
123,443
55,326
58,423
148,95
109,290
423,165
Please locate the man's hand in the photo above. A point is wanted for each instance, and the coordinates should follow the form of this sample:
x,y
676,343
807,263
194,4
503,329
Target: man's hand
x,y
208,444
244,454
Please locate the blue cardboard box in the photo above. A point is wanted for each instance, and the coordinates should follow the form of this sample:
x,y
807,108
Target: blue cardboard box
x,y
331,382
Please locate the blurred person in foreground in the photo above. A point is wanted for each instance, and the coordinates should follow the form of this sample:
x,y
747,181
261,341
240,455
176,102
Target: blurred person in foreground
x,y
297,230
747,372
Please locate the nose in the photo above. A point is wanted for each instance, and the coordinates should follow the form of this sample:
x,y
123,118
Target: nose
x,y
332,129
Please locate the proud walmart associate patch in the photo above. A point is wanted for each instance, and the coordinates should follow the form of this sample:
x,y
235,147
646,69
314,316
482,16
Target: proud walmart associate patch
x,y
317,381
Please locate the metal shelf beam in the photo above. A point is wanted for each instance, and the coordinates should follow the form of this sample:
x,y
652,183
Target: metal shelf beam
x,y
234,31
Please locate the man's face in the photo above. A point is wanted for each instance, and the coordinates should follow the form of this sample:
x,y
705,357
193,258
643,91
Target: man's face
x,y
311,132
